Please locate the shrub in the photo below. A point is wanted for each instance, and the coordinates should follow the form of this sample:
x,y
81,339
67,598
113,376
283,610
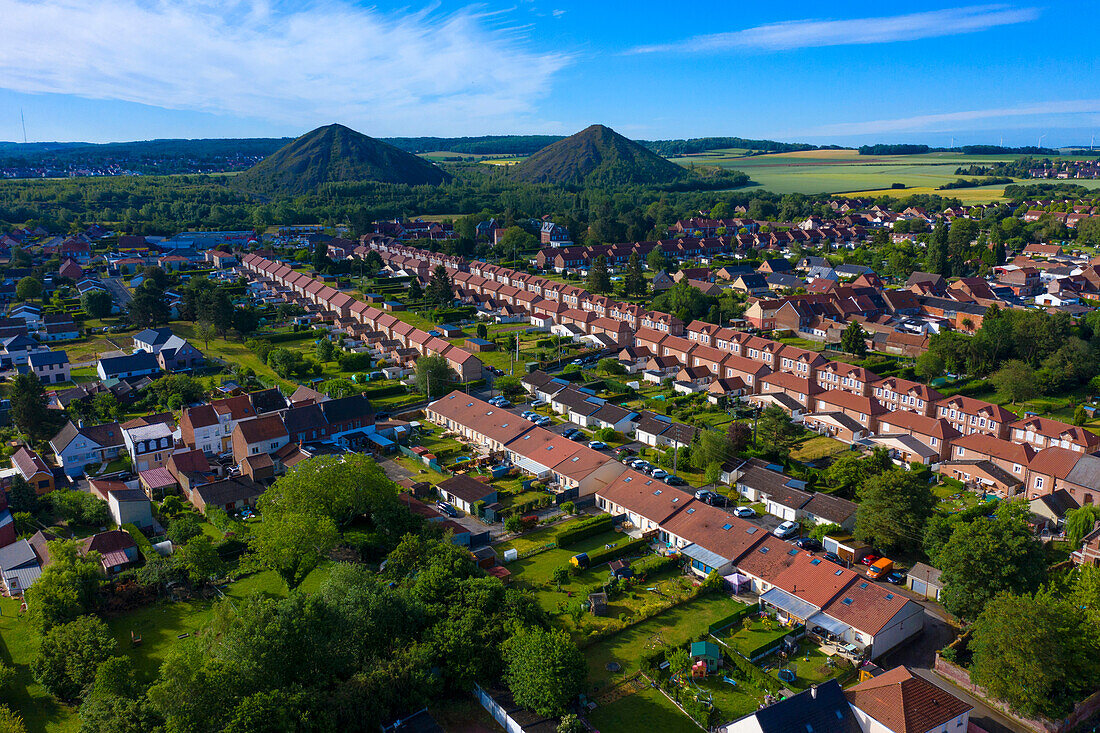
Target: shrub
x,y
569,507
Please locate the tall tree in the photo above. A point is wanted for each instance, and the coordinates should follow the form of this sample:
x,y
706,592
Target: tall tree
x,y
599,279
656,260
775,433
321,262
544,669
67,587
989,556
893,509
29,410
936,259
28,288
854,339
70,653
292,545
148,309
1038,653
434,376
440,291
634,282
97,303
1015,381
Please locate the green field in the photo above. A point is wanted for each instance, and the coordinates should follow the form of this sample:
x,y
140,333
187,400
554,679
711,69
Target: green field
x,y
845,171
644,710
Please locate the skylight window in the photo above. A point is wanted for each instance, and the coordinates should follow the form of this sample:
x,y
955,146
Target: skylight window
x,y
727,527
838,573
793,552
763,550
657,492
862,585
889,596
815,561
751,530
847,601
691,511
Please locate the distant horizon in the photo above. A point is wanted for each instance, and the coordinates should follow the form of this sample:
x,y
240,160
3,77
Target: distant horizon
x,y
960,141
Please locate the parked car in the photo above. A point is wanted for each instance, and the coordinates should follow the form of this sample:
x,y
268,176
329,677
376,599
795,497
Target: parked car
x,y
674,481
835,558
538,403
447,509
543,422
869,559
578,437
897,578
639,464
786,529
659,473
809,543
744,512
597,445
569,432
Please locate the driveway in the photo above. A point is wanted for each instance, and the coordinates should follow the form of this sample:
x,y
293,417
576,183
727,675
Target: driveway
x,y
397,472
919,655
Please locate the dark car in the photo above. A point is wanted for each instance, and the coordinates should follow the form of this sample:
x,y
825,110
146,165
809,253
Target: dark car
x,y
896,578
809,543
569,432
835,558
675,481
447,509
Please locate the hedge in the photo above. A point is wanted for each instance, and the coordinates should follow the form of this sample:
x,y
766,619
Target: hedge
x,y
969,390
387,391
279,338
143,543
607,554
587,528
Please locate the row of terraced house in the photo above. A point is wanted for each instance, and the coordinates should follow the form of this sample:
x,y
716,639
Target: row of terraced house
x,y
961,436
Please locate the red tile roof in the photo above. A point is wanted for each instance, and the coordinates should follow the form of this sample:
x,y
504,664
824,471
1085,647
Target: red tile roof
x,y
906,703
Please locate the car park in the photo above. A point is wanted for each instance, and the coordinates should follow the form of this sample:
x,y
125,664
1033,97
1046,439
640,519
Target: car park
x,y
744,512
597,445
809,543
786,529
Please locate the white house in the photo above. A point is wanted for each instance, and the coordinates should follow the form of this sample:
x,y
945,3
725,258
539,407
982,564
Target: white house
x,y
80,446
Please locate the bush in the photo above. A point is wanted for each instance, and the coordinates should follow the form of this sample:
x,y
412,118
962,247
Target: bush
x,y
513,524
569,507
143,543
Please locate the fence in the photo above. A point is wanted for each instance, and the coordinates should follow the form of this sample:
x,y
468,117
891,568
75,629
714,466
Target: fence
x,y
774,645
434,465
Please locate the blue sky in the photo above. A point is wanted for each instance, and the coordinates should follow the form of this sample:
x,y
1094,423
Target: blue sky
x,y
842,72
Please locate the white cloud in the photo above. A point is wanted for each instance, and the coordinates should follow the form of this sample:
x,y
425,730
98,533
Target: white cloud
x,y
301,64
851,31
1062,114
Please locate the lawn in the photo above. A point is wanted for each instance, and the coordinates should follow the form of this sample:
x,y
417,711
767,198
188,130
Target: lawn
x,y
747,638
538,538
817,447
646,709
670,629
537,569
811,666
158,625
952,498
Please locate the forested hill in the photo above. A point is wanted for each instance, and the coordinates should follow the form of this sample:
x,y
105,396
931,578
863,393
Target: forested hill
x,y
335,154
597,155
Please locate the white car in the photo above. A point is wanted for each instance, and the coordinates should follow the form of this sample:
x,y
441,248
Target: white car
x,y
785,530
745,512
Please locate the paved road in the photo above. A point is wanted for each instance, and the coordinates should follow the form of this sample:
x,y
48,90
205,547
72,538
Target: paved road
x,y
121,294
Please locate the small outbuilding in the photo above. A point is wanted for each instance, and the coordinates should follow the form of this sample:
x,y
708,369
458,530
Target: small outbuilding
x,y
707,652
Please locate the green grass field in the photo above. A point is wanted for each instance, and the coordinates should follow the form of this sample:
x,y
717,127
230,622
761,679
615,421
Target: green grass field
x,y
845,171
